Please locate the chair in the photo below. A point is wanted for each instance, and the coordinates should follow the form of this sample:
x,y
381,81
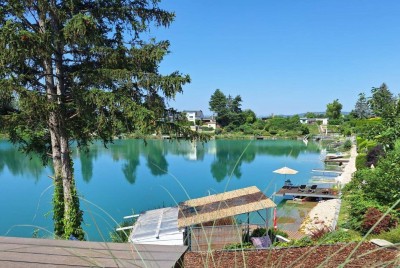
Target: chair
x,y
261,242
312,188
302,188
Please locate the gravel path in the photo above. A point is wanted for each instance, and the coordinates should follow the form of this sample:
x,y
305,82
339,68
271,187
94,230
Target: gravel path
x,y
326,213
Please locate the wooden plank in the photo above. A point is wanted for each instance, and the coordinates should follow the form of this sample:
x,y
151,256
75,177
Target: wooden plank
x,y
86,244
29,252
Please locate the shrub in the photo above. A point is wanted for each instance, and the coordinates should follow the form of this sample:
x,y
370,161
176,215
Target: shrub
x,y
239,246
317,234
303,242
272,233
361,161
218,131
374,154
347,145
207,128
372,216
392,236
339,236
304,130
358,204
273,131
365,145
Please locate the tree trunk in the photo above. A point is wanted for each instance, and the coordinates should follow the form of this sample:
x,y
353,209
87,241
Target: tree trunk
x,y
67,214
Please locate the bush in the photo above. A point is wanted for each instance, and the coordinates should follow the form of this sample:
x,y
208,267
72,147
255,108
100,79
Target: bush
x,y
391,236
358,204
273,131
319,233
361,161
304,130
374,154
372,216
335,122
347,145
207,128
364,145
218,131
272,233
340,236
303,242
239,246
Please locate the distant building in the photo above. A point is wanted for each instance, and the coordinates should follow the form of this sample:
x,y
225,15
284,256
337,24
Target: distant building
x,y
192,116
304,120
210,122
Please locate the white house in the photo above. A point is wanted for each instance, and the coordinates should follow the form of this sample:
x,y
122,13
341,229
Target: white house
x,y
210,122
192,116
305,120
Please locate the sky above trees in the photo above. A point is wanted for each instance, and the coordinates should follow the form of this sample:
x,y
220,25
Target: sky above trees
x,y
283,57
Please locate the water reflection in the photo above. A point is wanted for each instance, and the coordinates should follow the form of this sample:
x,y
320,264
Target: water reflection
x,y
18,163
231,154
228,156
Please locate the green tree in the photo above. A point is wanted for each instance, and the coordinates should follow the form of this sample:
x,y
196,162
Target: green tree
x,y
334,109
249,116
82,71
382,102
362,109
234,104
228,109
218,102
310,115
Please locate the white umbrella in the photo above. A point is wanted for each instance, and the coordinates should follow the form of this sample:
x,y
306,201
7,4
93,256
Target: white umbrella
x,y
286,171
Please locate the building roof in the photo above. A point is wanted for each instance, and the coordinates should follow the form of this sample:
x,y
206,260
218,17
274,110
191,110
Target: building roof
x,y
31,252
198,113
223,205
157,226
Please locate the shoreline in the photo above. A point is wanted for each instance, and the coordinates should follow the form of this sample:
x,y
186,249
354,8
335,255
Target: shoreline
x,y
325,214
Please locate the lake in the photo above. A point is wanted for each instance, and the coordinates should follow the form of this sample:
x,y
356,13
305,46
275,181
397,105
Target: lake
x,y
130,176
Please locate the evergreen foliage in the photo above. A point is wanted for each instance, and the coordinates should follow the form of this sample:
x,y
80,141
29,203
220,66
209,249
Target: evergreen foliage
x,y
362,109
382,102
79,71
334,110
228,110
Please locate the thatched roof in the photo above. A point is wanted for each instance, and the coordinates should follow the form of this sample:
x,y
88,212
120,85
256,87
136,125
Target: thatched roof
x,y
223,205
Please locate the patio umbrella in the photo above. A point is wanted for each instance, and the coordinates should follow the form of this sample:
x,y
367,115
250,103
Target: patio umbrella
x,y
286,171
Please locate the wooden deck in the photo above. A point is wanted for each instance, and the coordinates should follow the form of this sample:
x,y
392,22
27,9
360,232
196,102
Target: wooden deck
x,y
30,252
318,193
337,160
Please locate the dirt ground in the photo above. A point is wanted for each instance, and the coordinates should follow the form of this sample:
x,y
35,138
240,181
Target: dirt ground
x,y
366,255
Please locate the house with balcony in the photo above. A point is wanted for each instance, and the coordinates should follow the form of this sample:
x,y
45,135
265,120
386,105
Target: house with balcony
x,y
192,116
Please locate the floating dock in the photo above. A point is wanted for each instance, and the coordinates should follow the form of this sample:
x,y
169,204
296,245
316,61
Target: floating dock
x,y
336,160
327,171
294,192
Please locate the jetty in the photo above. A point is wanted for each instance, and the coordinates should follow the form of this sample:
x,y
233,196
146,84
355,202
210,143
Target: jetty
x,y
327,171
310,191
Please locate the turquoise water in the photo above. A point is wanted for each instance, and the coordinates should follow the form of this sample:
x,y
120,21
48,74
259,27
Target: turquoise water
x,y
130,177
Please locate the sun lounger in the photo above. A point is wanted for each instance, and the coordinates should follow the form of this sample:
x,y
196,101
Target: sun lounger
x,y
312,188
302,188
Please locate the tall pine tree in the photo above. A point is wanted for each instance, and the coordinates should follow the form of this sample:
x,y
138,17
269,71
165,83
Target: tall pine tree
x,y
80,70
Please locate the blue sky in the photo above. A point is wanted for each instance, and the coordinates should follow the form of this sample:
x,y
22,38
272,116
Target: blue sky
x,y
282,57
